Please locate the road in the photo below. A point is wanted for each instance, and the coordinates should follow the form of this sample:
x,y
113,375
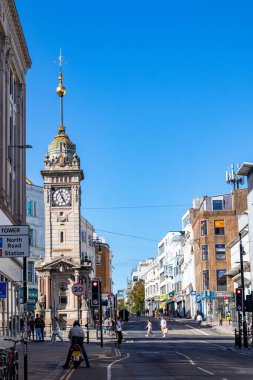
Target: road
x,y
187,353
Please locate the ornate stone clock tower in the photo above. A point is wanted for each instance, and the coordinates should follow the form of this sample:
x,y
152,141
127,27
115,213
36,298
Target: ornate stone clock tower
x,y
62,198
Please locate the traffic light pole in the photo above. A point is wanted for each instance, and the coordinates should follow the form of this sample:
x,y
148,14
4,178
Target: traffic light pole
x,y
100,315
244,323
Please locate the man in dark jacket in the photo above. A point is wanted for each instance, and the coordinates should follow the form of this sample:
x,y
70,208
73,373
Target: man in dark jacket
x,y
76,335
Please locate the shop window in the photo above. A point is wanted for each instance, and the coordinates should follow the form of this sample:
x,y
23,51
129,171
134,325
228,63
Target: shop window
x,y
221,279
219,227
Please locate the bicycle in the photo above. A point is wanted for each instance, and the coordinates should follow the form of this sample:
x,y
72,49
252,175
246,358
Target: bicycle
x,y
3,363
12,363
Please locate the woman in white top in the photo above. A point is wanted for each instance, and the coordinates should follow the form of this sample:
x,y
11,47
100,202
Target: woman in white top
x,y
149,327
163,325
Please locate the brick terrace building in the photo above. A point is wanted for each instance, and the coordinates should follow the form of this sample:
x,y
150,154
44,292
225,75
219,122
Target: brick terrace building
x,y
215,225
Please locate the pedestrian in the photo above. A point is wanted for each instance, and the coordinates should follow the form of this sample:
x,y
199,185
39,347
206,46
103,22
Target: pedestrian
x,y
42,328
38,323
119,331
199,319
156,313
228,317
163,325
138,314
76,335
220,319
106,326
112,327
32,324
56,331
149,327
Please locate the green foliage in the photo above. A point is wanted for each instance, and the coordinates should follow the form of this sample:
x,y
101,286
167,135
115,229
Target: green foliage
x,y
136,297
120,305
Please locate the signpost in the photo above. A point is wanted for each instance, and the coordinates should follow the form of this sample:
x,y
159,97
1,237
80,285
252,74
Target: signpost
x,y
77,289
3,289
14,242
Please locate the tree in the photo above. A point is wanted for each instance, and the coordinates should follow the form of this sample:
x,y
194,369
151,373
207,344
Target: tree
x,y
136,297
120,305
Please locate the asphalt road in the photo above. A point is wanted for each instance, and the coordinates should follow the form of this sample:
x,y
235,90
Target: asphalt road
x,y
186,353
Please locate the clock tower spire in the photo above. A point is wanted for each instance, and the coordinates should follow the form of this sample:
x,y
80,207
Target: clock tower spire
x,y
62,176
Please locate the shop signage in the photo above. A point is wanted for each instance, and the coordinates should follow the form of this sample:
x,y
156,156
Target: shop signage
x,y
163,297
193,293
156,298
14,241
223,294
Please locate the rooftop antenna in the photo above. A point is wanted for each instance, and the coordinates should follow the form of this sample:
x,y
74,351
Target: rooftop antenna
x,y
233,178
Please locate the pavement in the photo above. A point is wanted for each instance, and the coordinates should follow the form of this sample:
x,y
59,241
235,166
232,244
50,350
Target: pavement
x,y
45,359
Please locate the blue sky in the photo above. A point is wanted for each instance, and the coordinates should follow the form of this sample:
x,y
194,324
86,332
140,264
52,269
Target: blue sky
x,y
159,103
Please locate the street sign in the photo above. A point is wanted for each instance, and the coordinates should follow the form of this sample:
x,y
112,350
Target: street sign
x,y
77,289
3,289
14,241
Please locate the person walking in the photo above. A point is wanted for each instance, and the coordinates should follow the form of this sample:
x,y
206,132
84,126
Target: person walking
x,y
31,325
163,325
42,328
199,319
56,331
149,327
119,332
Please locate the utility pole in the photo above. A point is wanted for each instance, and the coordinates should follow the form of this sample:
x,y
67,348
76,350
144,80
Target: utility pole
x,y
244,323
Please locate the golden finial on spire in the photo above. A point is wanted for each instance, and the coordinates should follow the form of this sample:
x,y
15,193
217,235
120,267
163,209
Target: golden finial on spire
x,y
61,91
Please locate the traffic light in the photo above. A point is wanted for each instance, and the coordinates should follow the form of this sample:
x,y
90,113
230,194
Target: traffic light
x,y
238,299
95,292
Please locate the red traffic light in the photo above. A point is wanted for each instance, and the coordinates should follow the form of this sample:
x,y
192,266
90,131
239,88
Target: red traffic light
x,y
238,291
94,283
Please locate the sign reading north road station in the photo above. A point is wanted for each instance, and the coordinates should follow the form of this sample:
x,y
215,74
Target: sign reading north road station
x,y
14,241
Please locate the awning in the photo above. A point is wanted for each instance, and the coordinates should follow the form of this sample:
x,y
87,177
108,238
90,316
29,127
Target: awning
x,y
236,270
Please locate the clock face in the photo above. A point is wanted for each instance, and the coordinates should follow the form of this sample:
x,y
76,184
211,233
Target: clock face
x,y
62,197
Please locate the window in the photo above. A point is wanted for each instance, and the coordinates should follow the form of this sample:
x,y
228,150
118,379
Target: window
x,y
98,259
221,279
63,300
220,251
61,237
30,271
30,208
217,204
161,249
205,279
203,227
32,237
219,227
204,252
90,240
83,236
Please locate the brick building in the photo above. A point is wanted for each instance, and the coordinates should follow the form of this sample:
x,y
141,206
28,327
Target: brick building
x,y
215,225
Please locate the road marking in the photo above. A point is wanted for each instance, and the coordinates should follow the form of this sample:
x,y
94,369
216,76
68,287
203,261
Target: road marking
x,y
67,375
203,332
204,370
187,357
109,372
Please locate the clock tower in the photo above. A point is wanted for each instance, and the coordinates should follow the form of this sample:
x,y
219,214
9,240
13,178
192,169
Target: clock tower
x,y
61,267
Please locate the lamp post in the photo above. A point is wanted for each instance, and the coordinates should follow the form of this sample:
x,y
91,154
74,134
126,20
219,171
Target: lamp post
x,y
244,323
